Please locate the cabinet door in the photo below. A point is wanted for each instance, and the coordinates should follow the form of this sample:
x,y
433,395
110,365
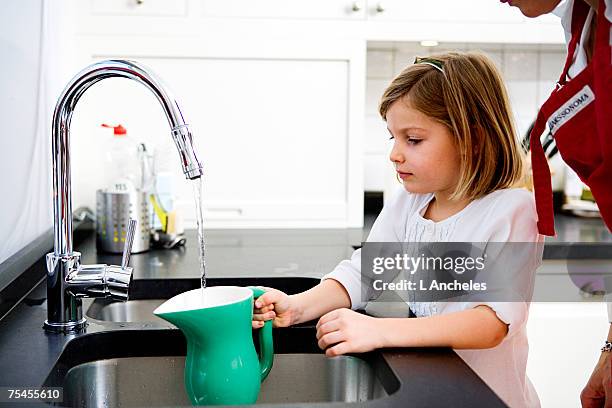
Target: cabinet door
x,y
300,9
276,126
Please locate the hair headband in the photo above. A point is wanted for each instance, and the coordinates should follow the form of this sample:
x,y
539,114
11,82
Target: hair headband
x,y
432,62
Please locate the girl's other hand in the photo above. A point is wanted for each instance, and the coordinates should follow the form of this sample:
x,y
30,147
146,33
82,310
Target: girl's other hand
x,y
344,331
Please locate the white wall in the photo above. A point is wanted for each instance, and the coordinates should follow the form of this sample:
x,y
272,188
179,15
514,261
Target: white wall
x,y
530,72
30,80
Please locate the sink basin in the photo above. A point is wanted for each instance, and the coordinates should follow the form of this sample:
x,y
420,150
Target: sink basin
x,y
147,294
130,311
158,381
127,367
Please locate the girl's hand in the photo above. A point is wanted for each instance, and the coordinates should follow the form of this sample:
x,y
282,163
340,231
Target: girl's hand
x,y
276,305
344,331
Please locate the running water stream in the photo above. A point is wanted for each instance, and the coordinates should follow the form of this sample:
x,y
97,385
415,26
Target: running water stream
x,y
197,193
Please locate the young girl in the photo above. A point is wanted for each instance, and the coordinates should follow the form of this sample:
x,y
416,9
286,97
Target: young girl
x,y
454,148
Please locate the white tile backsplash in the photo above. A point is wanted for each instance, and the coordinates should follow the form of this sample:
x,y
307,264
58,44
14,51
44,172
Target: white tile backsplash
x,y
410,48
523,97
522,47
496,56
520,65
379,64
374,91
522,124
550,65
376,135
485,47
544,90
405,58
378,169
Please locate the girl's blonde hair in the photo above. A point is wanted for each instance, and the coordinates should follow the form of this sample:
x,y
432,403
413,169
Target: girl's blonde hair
x,y
465,92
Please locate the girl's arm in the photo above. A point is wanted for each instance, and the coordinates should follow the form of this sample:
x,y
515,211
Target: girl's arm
x,y
315,302
476,328
344,331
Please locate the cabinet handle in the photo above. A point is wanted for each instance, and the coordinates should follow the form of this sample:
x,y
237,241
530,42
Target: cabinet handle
x,y
380,8
356,6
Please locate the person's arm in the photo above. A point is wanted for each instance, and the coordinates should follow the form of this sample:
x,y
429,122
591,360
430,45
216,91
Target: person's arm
x,y
315,302
598,391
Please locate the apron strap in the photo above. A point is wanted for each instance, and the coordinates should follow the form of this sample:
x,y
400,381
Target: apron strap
x,y
541,179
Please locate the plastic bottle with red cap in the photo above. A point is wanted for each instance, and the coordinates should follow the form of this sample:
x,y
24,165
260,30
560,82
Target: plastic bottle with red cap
x,y
122,166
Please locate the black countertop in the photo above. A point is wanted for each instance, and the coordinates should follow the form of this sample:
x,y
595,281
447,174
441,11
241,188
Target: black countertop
x,y
427,377
579,238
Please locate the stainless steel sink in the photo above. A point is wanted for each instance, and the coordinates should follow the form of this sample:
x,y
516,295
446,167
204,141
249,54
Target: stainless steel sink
x,y
158,381
142,364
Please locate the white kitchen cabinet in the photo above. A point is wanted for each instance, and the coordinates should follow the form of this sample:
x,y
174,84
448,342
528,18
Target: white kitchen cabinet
x,y
298,9
375,20
277,125
274,18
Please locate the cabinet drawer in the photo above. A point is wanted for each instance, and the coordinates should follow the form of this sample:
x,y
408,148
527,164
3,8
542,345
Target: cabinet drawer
x,y
285,9
174,8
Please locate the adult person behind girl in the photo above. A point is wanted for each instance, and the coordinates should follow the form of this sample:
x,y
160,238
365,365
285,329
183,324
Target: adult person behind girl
x,y
455,149
578,113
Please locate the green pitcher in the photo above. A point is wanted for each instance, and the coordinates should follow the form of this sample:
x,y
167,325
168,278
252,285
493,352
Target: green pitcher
x,y
221,366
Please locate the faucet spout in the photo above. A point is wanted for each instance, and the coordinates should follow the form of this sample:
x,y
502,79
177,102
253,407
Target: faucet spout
x,y
67,280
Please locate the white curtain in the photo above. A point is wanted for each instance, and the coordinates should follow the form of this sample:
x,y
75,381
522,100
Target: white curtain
x,y
30,80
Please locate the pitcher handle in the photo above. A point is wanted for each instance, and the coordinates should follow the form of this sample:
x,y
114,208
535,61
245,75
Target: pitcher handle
x,y
266,345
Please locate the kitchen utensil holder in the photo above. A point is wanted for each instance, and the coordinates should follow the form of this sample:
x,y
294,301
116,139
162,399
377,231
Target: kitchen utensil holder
x,y
113,211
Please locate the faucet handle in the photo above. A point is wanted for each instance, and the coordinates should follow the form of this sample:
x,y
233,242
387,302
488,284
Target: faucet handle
x,y
129,240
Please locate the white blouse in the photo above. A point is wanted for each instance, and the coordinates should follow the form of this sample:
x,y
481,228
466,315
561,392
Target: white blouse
x,y
502,216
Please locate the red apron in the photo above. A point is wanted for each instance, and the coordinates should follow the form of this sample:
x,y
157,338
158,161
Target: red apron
x,y
579,115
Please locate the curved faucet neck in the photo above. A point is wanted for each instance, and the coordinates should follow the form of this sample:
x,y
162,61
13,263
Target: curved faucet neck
x,y
64,109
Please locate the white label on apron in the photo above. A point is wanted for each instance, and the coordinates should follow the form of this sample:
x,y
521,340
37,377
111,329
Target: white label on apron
x,y
576,103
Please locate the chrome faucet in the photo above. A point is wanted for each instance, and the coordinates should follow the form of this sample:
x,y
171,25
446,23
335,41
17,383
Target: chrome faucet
x,y
67,280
